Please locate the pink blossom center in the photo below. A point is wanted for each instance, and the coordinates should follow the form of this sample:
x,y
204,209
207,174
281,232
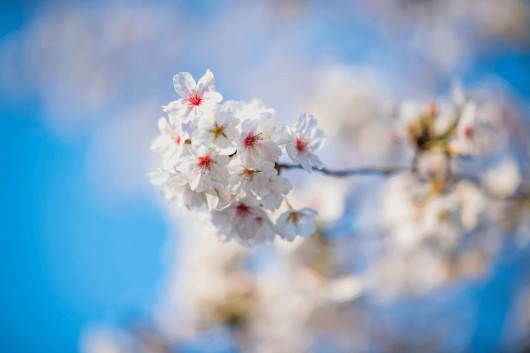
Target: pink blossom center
x,y
194,99
177,139
300,144
469,132
204,162
242,210
252,140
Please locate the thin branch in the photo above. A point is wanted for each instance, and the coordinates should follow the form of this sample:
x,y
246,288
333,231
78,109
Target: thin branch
x,y
347,172
414,164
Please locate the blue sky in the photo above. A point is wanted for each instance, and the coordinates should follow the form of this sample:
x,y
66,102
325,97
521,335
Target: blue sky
x,y
65,261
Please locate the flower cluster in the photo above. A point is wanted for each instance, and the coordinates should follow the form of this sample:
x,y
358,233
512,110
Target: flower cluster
x,y
449,127
223,157
435,219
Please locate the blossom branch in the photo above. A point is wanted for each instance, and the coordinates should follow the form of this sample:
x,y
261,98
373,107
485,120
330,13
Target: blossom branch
x,y
347,172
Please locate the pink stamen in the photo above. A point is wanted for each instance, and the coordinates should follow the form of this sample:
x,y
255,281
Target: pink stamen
x,y
469,132
194,99
300,144
205,162
252,140
177,139
242,210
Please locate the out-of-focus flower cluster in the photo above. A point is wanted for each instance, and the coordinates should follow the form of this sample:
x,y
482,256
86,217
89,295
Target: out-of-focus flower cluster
x,y
223,157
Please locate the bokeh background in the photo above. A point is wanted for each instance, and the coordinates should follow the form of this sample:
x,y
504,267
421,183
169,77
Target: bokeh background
x,y
84,240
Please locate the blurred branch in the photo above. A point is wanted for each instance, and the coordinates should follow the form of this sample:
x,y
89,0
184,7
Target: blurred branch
x,y
414,167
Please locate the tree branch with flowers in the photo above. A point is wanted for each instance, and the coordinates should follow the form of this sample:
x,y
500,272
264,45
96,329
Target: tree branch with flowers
x,y
224,158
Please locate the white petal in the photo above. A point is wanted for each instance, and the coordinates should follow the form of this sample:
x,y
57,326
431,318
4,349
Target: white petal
x,y
159,144
212,98
292,152
285,228
206,83
270,151
212,200
313,158
306,227
162,125
158,177
306,164
309,212
195,180
184,84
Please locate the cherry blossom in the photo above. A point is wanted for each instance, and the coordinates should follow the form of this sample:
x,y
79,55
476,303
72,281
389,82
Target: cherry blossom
x,y
259,140
171,142
204,168
218,129
262,183
305,138
296,222
176,188
244,222
437,220
196,98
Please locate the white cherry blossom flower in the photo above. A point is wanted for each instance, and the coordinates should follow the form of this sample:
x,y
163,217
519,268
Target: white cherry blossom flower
x,y
176,188
171,141
262,183
305,138
217,129
204,169
245,222
197,98
277,189
259,140
246,181
296,222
